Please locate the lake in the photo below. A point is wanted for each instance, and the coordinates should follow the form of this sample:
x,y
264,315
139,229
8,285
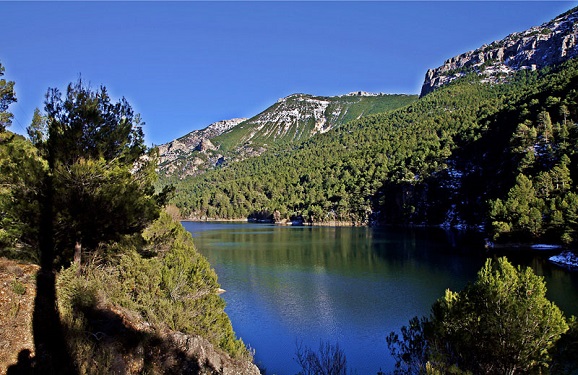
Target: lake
x,y
287,285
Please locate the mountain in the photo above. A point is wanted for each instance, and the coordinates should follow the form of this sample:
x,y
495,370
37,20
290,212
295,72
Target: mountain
x,y
549,44
290,120
176,154
499,157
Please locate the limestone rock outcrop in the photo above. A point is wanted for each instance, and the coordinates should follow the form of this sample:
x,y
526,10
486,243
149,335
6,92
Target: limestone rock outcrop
x,y
549,44
194,140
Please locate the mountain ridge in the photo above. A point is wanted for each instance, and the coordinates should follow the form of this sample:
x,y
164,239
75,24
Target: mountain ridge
x,y
291,119
549,44
497,158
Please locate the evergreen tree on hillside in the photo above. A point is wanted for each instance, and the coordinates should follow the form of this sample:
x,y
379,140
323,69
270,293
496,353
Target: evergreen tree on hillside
x,y
100,178
7,97
21,169
450,158
501,324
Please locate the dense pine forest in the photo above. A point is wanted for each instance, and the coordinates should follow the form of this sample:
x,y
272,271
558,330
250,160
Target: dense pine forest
x,y
499,156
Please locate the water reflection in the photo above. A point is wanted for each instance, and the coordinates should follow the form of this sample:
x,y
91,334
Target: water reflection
x,y
346,285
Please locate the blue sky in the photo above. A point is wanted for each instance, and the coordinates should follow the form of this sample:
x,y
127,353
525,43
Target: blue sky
x,y
184,65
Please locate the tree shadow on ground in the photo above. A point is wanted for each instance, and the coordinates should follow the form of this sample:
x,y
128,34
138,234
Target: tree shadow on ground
x,y
116,346
52,356
105,342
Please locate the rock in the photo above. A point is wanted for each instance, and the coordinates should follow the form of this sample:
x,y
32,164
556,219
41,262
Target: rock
x,y
171,151
546,45
208,357
565,259
292,119
205,145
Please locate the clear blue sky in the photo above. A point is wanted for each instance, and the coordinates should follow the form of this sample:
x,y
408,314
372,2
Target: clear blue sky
x,y
184,65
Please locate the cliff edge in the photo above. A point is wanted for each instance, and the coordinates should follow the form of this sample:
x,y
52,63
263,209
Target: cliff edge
x,y
549,44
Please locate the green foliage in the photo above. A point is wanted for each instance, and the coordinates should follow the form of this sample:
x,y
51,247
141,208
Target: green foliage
x,y
263,129
450,158
501,324
18,288
565,357
99,185
376,163
411,350
176,289
99,201
289,121
521,212
21,172
87,124
37,131
7,97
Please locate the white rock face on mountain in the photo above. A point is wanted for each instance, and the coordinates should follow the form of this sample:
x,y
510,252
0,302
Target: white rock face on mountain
x,y
549,44
195,140
363,93
295,118
289,112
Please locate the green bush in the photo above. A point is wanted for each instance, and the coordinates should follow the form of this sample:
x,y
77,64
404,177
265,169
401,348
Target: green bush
x,y
501,324
176,289
18,288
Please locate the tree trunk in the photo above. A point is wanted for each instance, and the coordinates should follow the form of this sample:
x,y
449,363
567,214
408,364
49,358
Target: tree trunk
x,y
77,256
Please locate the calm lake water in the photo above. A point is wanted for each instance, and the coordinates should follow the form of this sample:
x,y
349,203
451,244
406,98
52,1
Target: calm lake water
x,y
350,286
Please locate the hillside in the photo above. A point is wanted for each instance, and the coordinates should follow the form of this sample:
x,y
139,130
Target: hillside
x,y
471,153
292,119
173,154
163,351
549,44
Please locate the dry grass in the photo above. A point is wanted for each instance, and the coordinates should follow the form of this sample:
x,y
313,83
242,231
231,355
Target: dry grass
x,y
17,292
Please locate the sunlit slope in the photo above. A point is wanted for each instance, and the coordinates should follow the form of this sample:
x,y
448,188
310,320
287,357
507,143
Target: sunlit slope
x,y
300,116
289,121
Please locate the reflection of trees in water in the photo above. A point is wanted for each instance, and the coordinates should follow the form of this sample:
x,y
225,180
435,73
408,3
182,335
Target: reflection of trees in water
x,y
339,249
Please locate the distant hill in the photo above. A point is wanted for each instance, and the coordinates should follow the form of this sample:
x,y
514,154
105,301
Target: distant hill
x,y
290,120
549,44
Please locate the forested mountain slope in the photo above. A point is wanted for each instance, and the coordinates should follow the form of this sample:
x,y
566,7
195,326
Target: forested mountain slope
x,y
469,153
292,119
494,154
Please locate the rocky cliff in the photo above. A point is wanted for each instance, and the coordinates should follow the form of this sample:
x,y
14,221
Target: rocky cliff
x,y
195,140
546,45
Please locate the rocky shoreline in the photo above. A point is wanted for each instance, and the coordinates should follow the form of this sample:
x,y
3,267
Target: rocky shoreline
x,y
565,259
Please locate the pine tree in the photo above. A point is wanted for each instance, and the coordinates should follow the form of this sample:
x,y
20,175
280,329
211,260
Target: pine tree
x,y
99,186
7,97
501,324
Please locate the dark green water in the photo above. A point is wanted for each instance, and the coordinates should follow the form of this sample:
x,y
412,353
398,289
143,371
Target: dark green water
x,y
350,286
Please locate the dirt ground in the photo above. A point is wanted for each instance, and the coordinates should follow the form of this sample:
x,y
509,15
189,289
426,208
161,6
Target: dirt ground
x,y
17,292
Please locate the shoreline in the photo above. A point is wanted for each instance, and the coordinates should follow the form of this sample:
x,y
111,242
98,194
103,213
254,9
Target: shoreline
x,y
489,246
282,222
